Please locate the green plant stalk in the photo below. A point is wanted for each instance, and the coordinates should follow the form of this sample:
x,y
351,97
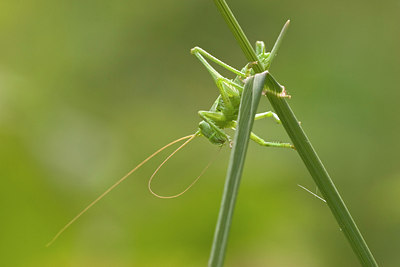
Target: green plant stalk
x,y
305,150
248,107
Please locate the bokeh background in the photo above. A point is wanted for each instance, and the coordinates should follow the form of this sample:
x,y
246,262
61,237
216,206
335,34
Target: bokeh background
x,y
90,88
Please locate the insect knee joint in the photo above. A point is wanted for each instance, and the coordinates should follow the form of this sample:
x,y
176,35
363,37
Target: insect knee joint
x,y
195,49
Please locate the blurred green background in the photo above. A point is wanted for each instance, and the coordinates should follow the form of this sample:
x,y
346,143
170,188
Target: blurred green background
x,y
90,88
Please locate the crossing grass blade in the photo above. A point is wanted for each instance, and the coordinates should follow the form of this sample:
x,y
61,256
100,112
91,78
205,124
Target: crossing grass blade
x,y
305,150
247,110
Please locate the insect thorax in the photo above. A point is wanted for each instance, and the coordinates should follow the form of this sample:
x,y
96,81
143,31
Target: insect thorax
x,y
230,111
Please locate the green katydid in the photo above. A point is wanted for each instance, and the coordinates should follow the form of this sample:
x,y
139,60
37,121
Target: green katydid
x,y
223,114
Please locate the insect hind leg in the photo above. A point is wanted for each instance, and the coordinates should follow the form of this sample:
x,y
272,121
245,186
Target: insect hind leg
x,y
201,54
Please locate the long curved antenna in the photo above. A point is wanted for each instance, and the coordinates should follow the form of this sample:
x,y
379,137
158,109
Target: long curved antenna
x,y
189,186
116,184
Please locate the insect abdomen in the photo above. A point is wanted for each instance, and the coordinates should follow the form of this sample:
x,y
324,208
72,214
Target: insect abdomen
x,y
212,135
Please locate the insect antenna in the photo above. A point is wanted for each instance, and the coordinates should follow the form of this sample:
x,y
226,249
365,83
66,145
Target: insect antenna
x,y
190,137
189,186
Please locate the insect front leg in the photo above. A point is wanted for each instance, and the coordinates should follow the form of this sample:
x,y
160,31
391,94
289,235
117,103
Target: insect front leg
x,y
267,114
262,142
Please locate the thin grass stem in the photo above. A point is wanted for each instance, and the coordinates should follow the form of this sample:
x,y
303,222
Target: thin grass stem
x,y
248,106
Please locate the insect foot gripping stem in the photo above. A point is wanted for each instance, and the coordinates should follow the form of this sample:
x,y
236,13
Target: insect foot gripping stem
x,y
274,88
282,94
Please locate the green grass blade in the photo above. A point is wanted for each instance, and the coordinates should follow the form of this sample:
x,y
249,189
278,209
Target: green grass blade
x,y
277,44
305,149
247,110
